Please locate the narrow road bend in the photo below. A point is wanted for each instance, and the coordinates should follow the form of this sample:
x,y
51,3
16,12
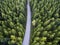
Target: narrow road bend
x,y
28,26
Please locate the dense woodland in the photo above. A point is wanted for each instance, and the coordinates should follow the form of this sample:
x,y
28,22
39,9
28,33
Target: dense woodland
x,y
45,29
45,22
12,21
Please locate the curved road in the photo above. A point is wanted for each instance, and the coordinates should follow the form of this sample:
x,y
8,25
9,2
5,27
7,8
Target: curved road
x,y
28,26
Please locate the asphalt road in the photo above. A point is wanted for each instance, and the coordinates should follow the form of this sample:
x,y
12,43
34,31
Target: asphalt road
x,y
28,26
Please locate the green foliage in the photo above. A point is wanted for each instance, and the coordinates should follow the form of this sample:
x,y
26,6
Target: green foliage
x,y
12,21
45,22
